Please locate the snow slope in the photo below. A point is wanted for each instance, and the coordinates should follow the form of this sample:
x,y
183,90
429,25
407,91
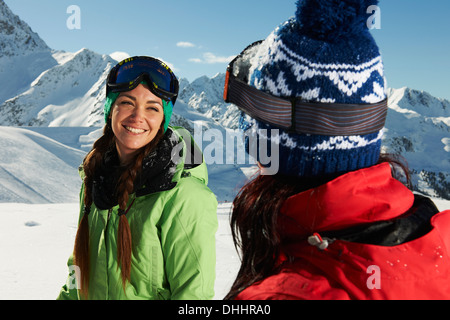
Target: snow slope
x,y
38,239
23,54
37,169
418,128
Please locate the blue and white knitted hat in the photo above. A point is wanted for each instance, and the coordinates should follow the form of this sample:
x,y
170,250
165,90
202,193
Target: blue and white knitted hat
x,y
325,54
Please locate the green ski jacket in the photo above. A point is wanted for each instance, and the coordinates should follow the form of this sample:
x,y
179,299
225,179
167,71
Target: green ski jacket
x,y
173,239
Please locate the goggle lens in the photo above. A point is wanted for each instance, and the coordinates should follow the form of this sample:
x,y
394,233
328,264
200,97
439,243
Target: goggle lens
x,y
130,72
160,76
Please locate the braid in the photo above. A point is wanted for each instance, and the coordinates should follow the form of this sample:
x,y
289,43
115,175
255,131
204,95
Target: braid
x,y
81,249
125,187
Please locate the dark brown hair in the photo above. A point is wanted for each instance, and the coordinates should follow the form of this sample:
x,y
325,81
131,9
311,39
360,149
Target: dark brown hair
x,y
255,214
125,187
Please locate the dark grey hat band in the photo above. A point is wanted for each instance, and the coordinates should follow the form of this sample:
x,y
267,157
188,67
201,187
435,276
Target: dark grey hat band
x,y
296,115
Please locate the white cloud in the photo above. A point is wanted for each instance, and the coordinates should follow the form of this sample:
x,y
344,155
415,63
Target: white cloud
x,y
185,44
211,58
196,60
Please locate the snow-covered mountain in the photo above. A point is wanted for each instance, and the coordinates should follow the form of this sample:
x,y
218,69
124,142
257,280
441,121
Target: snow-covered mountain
x,y
23,54
45,88
17,38
70,93
206,96
37,169
418,128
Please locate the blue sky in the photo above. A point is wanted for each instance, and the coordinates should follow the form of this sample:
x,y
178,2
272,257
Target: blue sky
x,y
414,36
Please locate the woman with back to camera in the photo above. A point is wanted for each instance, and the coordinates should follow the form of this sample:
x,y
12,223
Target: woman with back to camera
x,y
147,218
335,222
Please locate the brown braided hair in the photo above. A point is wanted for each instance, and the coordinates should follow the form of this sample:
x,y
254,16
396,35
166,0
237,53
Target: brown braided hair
x,y
125,187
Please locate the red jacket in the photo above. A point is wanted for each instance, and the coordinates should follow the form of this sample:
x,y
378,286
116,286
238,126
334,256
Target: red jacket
x,y
415,269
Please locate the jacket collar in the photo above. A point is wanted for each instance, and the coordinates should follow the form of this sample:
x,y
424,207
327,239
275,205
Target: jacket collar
x,y
358,197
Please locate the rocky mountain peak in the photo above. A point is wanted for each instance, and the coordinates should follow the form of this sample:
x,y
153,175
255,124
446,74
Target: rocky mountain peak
x,y
16,37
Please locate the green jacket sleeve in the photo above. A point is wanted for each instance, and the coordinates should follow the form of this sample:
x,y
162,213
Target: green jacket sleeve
x,y
188,241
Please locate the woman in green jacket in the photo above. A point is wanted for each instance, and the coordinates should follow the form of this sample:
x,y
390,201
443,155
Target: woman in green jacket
x,y
147,218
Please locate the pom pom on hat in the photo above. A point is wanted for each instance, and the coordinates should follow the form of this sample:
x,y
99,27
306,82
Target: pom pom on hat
x,y
330,20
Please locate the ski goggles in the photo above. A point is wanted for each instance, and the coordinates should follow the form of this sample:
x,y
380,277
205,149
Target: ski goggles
x,y
129,73
294,114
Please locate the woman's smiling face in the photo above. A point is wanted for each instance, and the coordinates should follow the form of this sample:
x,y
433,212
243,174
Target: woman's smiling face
x,y
136,118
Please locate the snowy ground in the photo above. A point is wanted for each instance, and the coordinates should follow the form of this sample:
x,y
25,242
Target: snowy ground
x,y
36,241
